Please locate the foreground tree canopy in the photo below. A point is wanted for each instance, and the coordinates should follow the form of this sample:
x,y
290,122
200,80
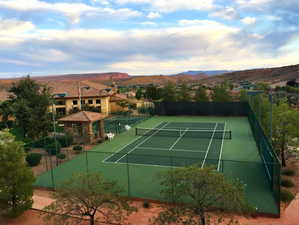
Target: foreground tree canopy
x,y
88,195
30,103
193,191
16,179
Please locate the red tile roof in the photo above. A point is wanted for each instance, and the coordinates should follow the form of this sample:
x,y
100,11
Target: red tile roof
x,y
83,116
71,89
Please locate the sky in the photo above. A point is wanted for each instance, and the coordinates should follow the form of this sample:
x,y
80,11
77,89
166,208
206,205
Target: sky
x,y
47,37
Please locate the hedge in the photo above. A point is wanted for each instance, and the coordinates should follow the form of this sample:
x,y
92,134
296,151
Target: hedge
x,y
51,148
33,159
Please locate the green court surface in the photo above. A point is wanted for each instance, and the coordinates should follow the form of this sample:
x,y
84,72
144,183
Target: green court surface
x,y
134,161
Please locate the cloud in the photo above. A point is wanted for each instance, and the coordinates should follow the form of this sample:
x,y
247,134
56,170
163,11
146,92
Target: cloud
x,y
190,44
173,5
74,11
153,15
248,20
14,26
227,13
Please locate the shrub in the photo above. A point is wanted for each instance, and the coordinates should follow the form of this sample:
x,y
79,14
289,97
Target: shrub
x,y
146,205
33,159
61,156
78,148
27,149
288,172
286,182
65,140
51,148
286,196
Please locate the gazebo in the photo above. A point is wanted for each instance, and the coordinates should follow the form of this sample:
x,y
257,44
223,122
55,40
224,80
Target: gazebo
x,y
86,127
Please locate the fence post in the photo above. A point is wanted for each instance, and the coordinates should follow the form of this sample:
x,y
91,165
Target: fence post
x,y
128,175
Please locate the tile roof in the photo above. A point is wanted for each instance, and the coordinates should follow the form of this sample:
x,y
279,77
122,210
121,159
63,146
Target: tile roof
x,y
83,116
4,94
71,88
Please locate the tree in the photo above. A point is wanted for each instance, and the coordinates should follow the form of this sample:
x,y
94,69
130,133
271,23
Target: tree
x,y
184,93
262,86
152,92
243,96
87,195
285,128
192,191
201,95
139,93
169,93
5,111
16,179
30,103
221,94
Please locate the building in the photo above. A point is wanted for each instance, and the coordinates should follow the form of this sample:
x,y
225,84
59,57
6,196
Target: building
x,y
71,96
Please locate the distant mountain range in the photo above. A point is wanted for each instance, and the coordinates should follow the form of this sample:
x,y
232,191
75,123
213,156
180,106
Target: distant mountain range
x,y
206,72
272,75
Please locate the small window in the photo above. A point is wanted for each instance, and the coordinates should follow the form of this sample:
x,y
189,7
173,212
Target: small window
x,y
98,101
90,101
60,102
99,108
75,102
82,102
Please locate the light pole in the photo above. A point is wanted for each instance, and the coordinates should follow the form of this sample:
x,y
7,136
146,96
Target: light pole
x,y
80,94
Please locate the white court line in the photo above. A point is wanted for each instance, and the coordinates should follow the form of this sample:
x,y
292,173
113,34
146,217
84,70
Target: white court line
x,y
177,140
131,142
136,146
167,149
179,130
140,164
208,149
220,155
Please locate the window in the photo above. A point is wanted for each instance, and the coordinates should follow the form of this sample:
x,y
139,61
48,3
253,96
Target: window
x,y
98,101
82,102
75,102
99,108
90,101
60,102
60,111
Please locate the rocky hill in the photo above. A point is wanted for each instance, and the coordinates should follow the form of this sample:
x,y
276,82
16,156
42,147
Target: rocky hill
x,y
270,75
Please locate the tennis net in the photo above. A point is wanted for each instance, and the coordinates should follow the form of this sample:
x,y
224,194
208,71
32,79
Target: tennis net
x,y
217,134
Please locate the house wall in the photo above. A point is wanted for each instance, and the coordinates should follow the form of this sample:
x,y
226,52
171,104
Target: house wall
x,y
69,104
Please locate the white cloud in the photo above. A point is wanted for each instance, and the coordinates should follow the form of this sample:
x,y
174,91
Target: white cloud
x,y
153,15
74,11
146,23
173,5
248,20
193,44
252,3
14,26
228,13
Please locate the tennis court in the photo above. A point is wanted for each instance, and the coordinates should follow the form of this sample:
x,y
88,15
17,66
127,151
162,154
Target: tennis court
x,y
135,158
175,144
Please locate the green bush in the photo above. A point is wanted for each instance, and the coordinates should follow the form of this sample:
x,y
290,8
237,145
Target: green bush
x,y
51,148
33,159
61,156
27,148
146,205
286,196
286,182
288,172
65,140
78,148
